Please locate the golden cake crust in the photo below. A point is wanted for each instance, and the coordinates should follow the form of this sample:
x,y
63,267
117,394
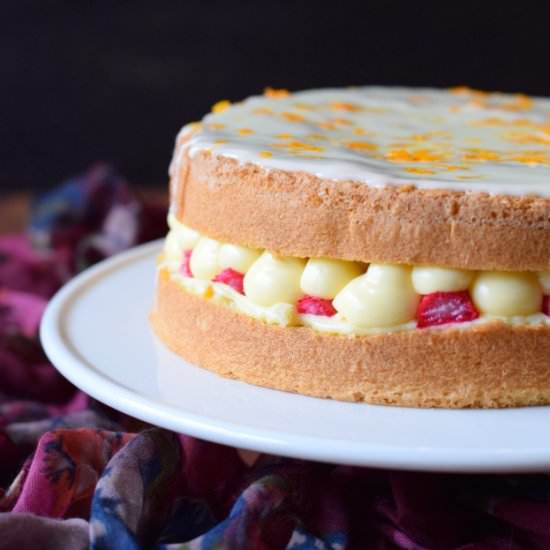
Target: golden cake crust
x,y
490,365
299,214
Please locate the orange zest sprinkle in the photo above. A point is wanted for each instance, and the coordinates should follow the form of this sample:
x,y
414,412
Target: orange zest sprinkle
x,y
327,125
481,155
489,121
459,90
220,141
532,158
359,131
342,121
284,136
263,111
521,102
300,146
334,123
304,106
292,117
497,121
265,154
478,102
422,171
361,146
344,106
419,137
221,106
318,137
276,93
455,167
523,122
245,131
420,155
216,126
466,90
541,138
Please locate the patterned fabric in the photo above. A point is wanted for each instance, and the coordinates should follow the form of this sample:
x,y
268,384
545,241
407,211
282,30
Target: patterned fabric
x,y
76,474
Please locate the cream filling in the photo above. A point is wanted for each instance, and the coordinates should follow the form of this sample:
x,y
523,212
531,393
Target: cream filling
x,y
373,299
337,325
219,293
285,314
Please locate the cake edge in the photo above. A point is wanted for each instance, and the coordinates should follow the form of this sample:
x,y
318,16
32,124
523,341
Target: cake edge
x,y
492,366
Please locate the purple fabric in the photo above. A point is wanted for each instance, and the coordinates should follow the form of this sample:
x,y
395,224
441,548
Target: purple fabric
x,y
76,474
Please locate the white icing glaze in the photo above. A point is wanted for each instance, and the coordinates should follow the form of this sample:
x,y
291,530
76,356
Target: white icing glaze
x,y
433,139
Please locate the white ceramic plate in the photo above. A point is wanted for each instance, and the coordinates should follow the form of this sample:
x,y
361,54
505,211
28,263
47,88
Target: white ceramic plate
x,y
96,332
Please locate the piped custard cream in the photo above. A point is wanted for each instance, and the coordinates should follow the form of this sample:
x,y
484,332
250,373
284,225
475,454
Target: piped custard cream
x,y
350,298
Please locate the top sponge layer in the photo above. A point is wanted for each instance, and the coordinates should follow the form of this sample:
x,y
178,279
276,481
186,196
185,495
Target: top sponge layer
x,y
458,139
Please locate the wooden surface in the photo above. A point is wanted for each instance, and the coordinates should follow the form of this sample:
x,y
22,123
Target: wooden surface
x,y
13,212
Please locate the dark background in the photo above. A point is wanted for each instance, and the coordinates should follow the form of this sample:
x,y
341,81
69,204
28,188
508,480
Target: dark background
x,y
114,80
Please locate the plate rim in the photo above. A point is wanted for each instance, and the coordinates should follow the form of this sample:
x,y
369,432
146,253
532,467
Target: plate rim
x,y
100,386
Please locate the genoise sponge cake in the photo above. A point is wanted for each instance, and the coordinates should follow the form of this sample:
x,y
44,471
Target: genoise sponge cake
x,y
386,245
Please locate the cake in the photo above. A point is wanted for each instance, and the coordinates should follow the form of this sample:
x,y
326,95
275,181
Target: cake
x,y
368,244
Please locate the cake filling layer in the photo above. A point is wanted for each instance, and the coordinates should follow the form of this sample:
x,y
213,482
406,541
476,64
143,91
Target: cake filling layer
x,y
344,297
